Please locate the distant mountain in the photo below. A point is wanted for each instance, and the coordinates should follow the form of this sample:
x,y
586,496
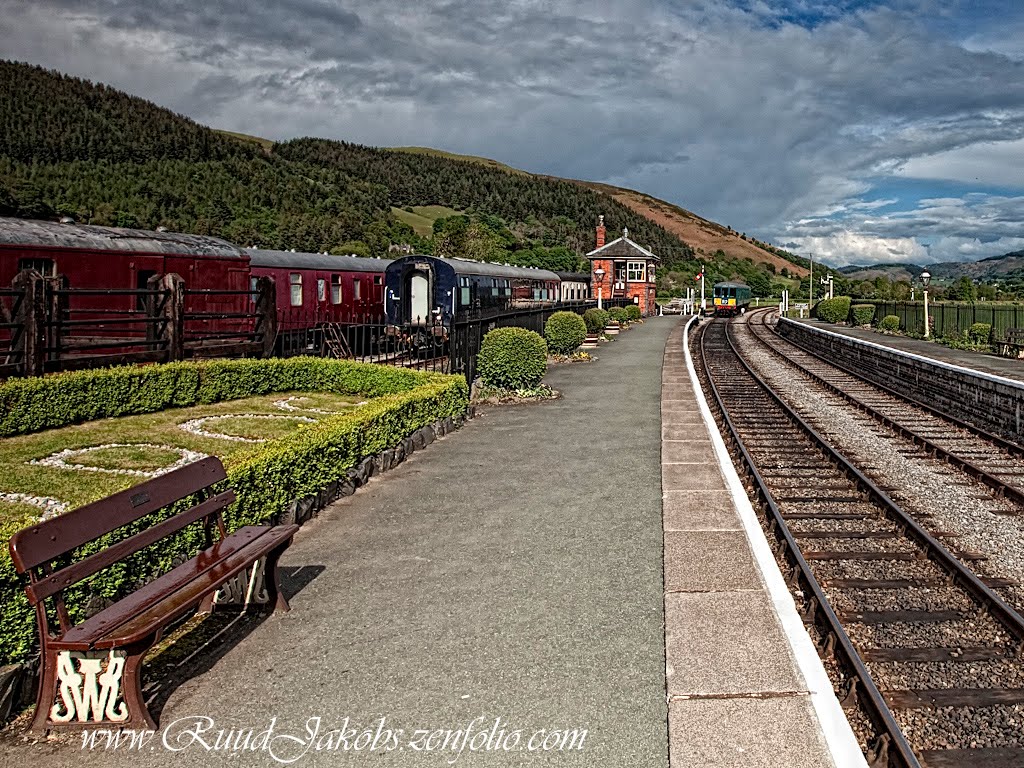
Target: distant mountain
x,y
894,272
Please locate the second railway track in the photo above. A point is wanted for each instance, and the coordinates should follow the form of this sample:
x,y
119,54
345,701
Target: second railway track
x,y
926,650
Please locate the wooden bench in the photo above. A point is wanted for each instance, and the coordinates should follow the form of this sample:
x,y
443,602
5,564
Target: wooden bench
x,y
91,670
1012,345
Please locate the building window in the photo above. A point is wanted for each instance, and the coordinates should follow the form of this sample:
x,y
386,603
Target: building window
x,y
321,289
620,272
635,272
295,280
335,289
650,274
45,267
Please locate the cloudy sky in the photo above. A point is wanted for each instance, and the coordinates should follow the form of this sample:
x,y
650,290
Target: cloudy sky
x,y
857,131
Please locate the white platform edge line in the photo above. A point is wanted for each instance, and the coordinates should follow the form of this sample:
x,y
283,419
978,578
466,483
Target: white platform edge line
x,y
835,726
994,378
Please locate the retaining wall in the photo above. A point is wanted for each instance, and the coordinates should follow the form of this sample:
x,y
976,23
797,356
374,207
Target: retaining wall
x,y
989,402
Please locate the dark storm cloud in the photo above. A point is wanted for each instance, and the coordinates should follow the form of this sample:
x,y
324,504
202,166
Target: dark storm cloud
x,y
764,115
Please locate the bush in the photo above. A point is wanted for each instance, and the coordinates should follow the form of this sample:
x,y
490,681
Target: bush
x,y
980,333
512,358
266,479
889,323
633,312
595,319
862,314
619,314
564,332
833,310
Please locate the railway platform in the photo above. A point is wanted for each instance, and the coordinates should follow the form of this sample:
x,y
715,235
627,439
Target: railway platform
x,y
528,574
962,358
745,684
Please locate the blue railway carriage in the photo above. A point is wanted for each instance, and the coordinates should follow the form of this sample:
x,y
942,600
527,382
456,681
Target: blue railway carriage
x,y
422,292
731,299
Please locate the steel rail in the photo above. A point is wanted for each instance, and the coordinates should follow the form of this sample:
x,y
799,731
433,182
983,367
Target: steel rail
x,y
891,747
1004,443
999,486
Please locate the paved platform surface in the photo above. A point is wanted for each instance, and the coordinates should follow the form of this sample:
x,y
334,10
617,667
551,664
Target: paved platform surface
x,y
738,693
978,361
512,570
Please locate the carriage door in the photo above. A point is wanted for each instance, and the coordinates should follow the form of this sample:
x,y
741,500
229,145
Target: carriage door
x,y
419,298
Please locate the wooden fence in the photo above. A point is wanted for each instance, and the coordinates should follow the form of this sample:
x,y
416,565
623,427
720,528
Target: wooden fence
x,y
48,325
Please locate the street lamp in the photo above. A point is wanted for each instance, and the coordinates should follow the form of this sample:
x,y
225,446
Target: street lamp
x,y
925,279
599,273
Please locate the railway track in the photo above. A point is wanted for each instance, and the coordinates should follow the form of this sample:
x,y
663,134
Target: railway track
x,y
993,460
921,650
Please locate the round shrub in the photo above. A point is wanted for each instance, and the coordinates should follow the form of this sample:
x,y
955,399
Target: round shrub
x,y
980,332
595,319
833,310
564,331
862,314
889,323
512,358
633,312
619,314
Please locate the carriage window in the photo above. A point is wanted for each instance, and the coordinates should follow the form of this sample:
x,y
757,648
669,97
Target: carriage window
x,y
254,294
378,279
335,289
45,267
635,271
357,289
321,289
495,290
295,279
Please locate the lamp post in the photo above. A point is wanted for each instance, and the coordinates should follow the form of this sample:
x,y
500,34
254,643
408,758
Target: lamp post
x,y
599,273
925,279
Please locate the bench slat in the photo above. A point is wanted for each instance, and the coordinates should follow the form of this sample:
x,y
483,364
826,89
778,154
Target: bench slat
x,y
176,592
83,569
48,540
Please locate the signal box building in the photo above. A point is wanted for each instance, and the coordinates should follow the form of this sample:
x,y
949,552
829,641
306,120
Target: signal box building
x,y
623,269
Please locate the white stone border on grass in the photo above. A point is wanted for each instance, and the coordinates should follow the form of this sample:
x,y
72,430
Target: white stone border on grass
x,y
286,405
51,507
197,426
60,460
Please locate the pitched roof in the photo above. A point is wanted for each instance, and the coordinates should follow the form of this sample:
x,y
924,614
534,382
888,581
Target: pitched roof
x,y
622,248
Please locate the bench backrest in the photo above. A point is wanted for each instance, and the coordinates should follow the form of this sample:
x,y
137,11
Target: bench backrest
x,y
35,550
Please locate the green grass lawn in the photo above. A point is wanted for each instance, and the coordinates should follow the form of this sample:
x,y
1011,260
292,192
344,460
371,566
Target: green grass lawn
x,y
423,216
149,441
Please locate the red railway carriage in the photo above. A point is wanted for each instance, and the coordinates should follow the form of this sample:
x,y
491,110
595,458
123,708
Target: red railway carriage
x,y
114,259
316,288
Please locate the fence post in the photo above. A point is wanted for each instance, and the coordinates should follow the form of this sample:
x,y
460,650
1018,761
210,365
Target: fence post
x,y
57,305
32,318
173,314
266,314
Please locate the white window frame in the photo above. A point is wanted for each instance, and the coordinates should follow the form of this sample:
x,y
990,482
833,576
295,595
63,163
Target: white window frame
x,y
636,271
295,282
337,293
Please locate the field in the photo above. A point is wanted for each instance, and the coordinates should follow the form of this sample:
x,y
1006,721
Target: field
x,y
422,217
78,464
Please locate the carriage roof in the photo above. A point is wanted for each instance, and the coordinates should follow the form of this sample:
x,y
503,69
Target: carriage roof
x,y
260,257
486,268
91,237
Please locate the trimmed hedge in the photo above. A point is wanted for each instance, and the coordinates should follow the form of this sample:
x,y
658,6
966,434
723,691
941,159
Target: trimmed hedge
x,y
862,314
512,358
890,323
564,332
833,310
266,479
633,312
979,333
596,319
619,314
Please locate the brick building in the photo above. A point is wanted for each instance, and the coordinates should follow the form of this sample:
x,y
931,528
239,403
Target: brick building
x,y
623,269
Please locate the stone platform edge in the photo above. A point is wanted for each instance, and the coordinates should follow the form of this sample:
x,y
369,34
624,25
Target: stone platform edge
x,y
839,737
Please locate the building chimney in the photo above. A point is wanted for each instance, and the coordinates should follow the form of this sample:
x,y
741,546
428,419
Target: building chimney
x,y
600,231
